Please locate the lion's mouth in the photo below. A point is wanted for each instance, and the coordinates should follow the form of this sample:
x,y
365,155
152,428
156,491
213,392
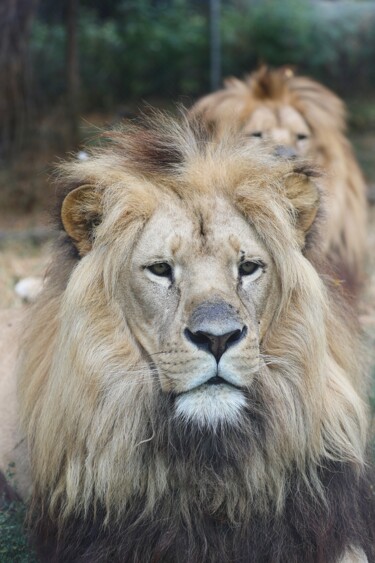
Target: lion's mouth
x,y
217,380
210,403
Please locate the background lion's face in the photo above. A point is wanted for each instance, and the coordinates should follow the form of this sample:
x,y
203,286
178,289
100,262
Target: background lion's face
x,y
284,126
201,294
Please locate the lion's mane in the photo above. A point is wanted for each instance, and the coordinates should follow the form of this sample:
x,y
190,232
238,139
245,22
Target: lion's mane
x,y
344,231
114,477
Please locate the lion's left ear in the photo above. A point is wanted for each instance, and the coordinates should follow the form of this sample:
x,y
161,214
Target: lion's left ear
x,y
304,195
81,212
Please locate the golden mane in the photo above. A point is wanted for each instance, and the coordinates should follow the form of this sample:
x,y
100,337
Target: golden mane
x,y
114,478
321,108
344,233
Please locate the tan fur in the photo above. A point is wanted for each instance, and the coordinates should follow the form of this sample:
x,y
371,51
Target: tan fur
x,y
88,392
280,105
13,453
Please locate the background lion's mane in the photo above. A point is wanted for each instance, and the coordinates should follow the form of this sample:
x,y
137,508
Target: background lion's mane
x,y
115,476
345,225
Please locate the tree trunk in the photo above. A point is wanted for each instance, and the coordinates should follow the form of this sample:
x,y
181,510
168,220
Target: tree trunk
x,y
16,17
72,70
215,45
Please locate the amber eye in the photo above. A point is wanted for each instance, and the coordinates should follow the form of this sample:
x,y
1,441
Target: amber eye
x,y
162,269
302,136
247,268
257,134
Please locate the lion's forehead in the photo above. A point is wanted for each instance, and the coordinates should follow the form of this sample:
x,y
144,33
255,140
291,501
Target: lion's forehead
x,y
211,226
261,117
276,115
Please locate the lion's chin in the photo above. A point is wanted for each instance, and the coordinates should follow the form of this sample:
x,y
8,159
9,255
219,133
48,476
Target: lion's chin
x,y
211,405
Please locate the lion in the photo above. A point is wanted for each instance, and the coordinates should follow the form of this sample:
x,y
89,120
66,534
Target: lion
x,y
189,384
304,118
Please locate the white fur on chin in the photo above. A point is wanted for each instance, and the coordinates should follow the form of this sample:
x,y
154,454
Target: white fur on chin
x,y
210,405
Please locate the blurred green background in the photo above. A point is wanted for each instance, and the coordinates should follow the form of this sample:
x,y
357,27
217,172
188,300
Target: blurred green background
x,y
132,49
68,66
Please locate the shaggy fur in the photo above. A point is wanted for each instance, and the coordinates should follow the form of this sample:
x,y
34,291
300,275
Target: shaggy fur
x,y
344,231
115,476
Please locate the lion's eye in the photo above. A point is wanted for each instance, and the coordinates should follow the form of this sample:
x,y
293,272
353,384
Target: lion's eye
x,y
247,268
162,269
302,136
257,134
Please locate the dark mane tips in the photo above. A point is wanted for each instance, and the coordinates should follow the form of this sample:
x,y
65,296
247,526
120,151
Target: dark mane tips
x,y
150,151
306,169
269,83
155,143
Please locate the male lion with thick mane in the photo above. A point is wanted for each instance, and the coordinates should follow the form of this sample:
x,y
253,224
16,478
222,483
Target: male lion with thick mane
x,y
306,119
190,387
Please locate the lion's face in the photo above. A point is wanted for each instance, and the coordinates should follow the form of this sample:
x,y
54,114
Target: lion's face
x,y
199,300
284,126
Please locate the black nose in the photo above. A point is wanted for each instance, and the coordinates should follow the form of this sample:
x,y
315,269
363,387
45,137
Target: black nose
x,y
214,326
217,344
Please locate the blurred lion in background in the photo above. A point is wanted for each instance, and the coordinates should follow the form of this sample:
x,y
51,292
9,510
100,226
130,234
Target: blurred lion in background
x,y
302,118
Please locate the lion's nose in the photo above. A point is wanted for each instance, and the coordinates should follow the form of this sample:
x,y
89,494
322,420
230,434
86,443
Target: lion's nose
x,y
217,344
284,151
215,325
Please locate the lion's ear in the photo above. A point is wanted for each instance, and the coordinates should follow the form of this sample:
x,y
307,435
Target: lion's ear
x,y
304,195
81,212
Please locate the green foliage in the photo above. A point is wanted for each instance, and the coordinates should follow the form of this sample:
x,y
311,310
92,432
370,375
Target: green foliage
x,y
13,541
143,50
165,49
269,31
13,544
132,49
48,52
334,42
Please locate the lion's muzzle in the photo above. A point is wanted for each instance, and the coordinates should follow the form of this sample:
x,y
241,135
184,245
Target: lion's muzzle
x,y
215,326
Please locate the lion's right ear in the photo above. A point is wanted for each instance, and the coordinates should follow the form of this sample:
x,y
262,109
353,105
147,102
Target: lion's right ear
x,y
81,212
